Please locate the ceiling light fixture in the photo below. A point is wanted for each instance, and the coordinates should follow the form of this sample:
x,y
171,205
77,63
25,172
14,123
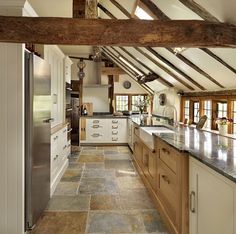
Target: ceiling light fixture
x,y
179,50
129,65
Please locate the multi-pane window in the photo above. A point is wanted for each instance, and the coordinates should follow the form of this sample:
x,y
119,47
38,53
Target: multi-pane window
x,y
207,110
122,102
221,109
135,100
234,117
196,112
186,109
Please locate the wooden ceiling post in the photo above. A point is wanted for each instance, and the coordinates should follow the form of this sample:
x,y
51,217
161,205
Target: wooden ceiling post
x,y
79,9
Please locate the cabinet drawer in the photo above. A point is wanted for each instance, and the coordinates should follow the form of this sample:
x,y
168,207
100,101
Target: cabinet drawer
x,y
169,157
168,188
95,136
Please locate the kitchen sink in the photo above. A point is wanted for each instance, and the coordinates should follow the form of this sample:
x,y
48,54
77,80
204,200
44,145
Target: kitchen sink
x,y
148,138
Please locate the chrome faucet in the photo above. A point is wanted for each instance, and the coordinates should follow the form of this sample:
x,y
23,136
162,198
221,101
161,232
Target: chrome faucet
x,y
175,113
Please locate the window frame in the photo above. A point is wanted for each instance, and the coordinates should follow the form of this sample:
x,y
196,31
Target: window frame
x,y
214,99
130,99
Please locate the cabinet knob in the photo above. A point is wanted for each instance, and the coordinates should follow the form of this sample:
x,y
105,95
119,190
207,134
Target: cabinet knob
x,y
165,151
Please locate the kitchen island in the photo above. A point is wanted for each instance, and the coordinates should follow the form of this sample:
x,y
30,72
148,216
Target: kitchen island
x,y
191,176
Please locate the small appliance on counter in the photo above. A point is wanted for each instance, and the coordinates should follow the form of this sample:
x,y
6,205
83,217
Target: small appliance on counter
x,y
87,109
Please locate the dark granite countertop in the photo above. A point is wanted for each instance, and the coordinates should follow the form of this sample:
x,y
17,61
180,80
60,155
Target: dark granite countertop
x,y
107,116
148,121
217,152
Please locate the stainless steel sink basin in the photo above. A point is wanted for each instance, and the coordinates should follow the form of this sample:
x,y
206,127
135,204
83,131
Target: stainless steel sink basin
x,y
148,138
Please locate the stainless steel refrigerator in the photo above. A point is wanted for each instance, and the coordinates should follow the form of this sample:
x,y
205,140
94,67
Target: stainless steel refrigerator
x,y
37,137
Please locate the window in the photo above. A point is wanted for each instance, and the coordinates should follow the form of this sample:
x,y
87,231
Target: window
x,y
122,102
234,117
142,14
127,101
221,109
207,109
135,99
186,109
196,112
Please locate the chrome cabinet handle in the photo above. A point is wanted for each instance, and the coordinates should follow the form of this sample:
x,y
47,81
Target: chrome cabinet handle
x,y
114,127
96,126
55,138
55,157
165,150
96,121
96,135
165,178
64,147
114,121
114,139
48,120
114,132
65,131
192,202
69,130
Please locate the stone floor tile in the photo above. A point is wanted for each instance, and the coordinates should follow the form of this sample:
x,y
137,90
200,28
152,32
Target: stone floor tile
x,y
89,148
118,164
112,148
137,199
115,152
66,188
76,165
119,156
91,152
105,202
75,148
99,165
115,222
130,183
98,173
152,222
69,203
91,158
126,173
61,223
98,186
72,175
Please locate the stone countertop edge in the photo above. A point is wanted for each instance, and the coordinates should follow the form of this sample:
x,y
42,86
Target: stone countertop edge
x,y
104,117
225,168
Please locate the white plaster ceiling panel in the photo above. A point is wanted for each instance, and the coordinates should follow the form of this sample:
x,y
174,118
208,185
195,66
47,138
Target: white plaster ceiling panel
x,y
76,50
212,67
227,54
187,69
175,10
52,8
159,71
156,86
151,66
113,9
221,9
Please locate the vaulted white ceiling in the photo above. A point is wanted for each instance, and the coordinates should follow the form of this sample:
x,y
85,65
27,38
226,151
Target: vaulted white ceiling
x,y
215,72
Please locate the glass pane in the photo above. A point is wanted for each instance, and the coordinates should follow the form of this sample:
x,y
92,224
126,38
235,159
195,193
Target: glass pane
x,y
122,103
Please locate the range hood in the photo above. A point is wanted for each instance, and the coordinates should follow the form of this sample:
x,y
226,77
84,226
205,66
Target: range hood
x,y
93,78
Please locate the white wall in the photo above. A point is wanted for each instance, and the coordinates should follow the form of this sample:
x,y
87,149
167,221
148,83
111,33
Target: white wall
x,y
98,96
135,88
172,100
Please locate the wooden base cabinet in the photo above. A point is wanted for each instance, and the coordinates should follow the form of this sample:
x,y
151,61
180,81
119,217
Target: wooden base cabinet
x,y
212,204
172,186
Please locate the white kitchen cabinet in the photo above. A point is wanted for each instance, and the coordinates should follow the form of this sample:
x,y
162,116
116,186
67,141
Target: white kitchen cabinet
x,y
54,56
59,156
105,131
211,201
68,62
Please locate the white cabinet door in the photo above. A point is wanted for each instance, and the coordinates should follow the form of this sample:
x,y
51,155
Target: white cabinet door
x,y
55,57
211,201
68,64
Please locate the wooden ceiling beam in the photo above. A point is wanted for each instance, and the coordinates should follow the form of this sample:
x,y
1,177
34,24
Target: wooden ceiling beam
x,y
169,71
199,10
121,8
79,9
196,68
160,79
112,71
114,59
162,16
131,32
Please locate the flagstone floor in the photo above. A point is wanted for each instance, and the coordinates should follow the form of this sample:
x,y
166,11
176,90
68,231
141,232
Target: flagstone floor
x,y
100,192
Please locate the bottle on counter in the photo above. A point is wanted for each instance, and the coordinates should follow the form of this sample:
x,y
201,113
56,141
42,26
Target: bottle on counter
x,y
85,112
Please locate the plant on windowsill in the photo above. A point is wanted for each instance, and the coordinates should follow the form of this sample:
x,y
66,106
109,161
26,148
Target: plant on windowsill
x,y
223,125
141,105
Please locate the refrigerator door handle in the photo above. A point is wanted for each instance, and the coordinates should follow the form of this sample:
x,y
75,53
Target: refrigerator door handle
x,y
48,120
